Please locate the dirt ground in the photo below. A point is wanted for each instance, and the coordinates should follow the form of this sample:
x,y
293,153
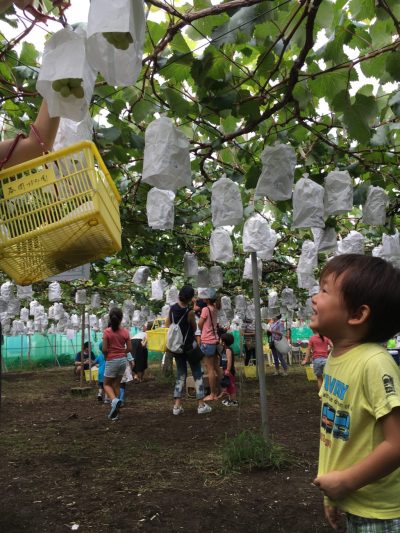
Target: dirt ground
x,y
63,464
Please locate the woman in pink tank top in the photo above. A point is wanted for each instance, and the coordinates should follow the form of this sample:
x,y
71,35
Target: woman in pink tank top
x,y
116,344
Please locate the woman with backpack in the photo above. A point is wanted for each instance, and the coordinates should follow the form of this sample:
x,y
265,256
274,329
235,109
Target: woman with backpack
x,y
210,341
181,315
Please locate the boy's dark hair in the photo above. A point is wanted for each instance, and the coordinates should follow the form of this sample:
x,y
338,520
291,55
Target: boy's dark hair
x,y
186,294
86,344
228,339
115,318
369,281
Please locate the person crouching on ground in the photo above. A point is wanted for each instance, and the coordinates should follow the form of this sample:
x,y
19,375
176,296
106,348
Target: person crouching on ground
x,y
228,366
85,358
116,344
359,458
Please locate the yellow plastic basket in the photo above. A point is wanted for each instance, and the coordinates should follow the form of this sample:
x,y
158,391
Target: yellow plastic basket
x,y
310,373
250,371
57,212
157,337
95,374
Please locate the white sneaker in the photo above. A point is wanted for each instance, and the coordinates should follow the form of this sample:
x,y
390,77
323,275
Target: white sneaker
x,y
203,409
275,373
177,410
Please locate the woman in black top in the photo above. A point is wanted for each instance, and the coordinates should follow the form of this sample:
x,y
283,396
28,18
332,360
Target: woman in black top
x,y
180,312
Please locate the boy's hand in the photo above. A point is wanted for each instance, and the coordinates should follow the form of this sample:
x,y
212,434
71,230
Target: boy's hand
x,y
332,515
334,484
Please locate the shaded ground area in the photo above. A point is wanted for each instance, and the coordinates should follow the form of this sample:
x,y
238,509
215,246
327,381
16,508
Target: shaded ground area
x,y
63,463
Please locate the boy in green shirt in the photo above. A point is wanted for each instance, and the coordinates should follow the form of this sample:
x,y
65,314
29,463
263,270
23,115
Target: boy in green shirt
x,y
357,308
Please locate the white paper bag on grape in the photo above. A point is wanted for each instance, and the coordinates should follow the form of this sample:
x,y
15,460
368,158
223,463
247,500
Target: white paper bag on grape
x,y
226,203
190,265
308,204
240,303
7,291
374,209
221,248
287,296
267,252
141,276
203,278
160,209
24,292
216,277
308,258
226,304
305,280
272,298
338,196
157,290
165,311
391,248
352,244
166,161
255,234
116,32
248,272
277,175
71,132
325,239
172,295
64,59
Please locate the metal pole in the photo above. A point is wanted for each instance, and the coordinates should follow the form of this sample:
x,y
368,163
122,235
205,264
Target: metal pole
x,y
90,353
82,343
1,359
259,347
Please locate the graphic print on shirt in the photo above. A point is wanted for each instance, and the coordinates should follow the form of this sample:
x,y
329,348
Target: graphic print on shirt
x,y
388,383
335,421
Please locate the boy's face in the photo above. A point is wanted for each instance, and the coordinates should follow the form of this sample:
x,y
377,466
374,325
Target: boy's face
x,y
330,315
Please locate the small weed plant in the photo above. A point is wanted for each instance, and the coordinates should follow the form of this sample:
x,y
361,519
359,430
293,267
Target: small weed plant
x,y
250,451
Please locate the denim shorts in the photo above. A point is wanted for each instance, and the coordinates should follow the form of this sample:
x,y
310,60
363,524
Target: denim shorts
x,y
115,367
318,366
209,350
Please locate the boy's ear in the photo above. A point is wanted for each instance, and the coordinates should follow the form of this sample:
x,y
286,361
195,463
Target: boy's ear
x,y
361,316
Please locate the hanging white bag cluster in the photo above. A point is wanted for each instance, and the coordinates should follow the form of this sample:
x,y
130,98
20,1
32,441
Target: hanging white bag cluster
x,y
160,208
255,234
116,32
166,163
308,204
374,209
226,203
190,265
277,175
352,244
338,197
66,80
221,248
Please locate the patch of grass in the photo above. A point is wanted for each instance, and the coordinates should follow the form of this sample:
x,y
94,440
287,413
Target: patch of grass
x,y
250,451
